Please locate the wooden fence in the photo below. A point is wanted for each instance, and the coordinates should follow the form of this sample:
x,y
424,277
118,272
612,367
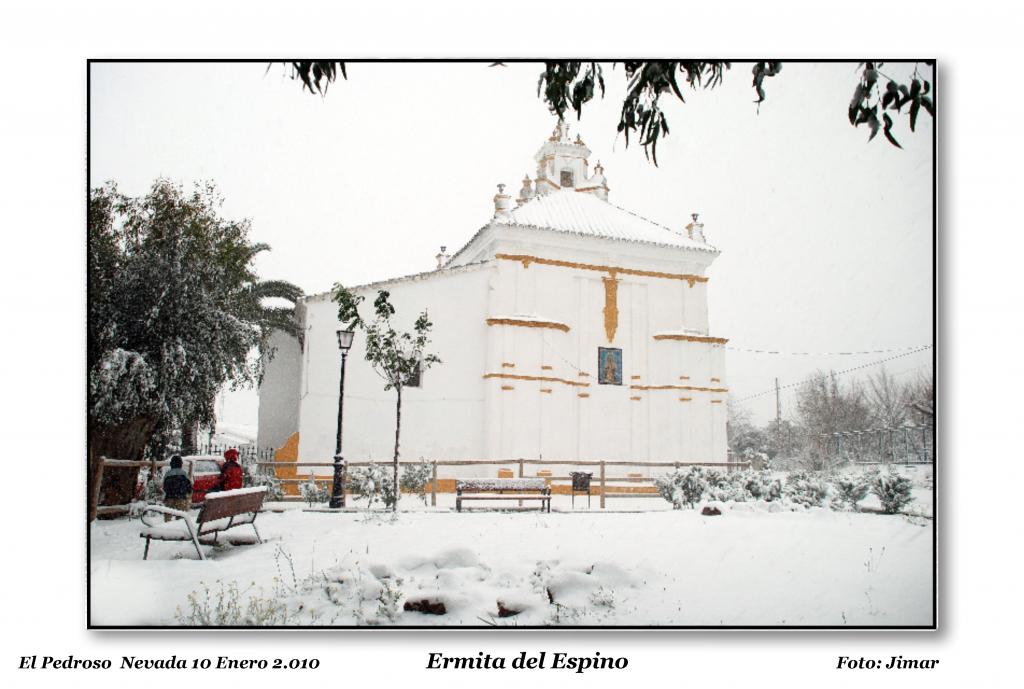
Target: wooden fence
x,y
600,486
603,485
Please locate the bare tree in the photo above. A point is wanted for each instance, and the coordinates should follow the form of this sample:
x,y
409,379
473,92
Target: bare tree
x,y
888,400
920,399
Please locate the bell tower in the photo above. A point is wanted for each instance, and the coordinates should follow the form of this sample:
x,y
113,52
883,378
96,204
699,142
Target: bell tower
x,y
562,164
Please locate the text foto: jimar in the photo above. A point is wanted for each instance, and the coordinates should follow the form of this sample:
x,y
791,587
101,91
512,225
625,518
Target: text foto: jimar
x,y
895,663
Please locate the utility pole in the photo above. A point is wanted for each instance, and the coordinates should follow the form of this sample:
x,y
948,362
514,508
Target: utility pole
x,y
778,408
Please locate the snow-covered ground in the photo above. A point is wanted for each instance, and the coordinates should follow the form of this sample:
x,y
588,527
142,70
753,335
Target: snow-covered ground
x,y
639,563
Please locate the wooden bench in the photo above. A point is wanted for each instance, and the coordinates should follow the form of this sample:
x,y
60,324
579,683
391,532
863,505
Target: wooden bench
x,y
220,511
503,489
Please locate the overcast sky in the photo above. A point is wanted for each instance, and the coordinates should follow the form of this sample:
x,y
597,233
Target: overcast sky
x,y
826,239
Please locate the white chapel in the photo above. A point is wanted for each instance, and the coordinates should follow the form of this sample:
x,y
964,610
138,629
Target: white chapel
x,y
568,328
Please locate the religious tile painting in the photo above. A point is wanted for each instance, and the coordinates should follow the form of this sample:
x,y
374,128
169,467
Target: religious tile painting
x,y
609,366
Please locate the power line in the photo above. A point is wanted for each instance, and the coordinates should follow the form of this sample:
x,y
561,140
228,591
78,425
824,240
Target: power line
x,y
837,373
870,351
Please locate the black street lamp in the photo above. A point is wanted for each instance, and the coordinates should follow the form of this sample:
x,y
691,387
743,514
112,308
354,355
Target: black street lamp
x,y
338,487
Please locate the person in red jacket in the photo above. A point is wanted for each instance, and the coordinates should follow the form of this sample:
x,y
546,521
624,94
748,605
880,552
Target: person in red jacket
x,y
231,471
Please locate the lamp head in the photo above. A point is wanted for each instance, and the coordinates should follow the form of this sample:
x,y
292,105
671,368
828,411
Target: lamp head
x,y
345,339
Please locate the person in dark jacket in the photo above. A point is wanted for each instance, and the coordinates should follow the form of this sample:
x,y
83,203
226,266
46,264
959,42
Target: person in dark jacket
x,y
230,471
177,488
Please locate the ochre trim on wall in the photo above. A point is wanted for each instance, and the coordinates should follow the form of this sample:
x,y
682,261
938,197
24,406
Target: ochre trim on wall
x,y
526,260
508,387
685,399
583,394
528,324
289,452
636,399
543,379
693,338
611,307
676,387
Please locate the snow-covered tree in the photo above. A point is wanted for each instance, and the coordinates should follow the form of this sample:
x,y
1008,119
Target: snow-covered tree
x,y
398,357
741,433
175,309
313,491
827,406
893,490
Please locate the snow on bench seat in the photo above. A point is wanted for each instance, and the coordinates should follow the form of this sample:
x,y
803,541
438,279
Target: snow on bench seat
x,y
501,484
503,489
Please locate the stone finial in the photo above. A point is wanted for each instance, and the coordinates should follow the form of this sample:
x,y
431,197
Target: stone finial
x,y
526,193
502,204
561,132
442,257
695,230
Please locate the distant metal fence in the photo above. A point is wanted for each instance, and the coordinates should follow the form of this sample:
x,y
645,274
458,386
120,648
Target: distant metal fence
x,y
900,445
244,451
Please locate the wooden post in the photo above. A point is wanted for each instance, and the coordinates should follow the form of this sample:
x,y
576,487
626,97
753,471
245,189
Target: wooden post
x,y
433,487
97,482
520,502
603,487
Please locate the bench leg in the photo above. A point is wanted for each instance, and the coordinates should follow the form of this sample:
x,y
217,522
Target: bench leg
x,y
258,538
145,553
195,542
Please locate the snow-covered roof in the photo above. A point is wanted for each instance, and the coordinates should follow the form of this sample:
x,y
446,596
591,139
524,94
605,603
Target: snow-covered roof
x,y
580,213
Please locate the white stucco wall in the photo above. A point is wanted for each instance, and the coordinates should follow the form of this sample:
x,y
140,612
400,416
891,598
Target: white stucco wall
x,y
524,420
487,400
279,392
443,417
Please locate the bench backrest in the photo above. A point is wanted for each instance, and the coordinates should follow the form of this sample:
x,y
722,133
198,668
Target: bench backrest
x,y
229,503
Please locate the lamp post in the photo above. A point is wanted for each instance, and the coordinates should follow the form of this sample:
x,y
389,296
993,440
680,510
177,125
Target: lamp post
x,y
338,487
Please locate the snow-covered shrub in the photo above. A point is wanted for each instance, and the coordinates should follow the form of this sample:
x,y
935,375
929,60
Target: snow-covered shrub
x,y
415,477
893,490
683,486
373,483
759,485
313,492
806,488
388,602
759,461
153,486
376,483
849,490
725,487
254,476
